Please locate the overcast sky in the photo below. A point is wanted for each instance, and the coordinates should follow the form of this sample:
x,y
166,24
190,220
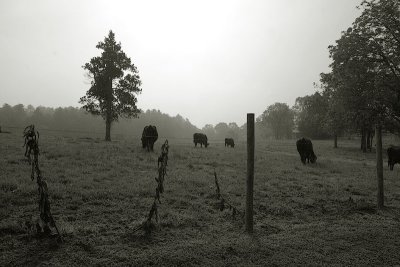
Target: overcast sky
x,y
210,61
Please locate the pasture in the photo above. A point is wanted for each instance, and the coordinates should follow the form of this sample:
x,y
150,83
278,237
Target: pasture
x,y
320,214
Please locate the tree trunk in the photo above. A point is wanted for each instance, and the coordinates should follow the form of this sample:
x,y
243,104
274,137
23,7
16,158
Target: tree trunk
x,y
335,141
379,166
372,138
369,140
363,141
109,111
108,129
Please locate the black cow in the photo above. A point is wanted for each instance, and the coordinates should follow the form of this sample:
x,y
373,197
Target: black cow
x,y
199,138
393,153
305,149
229,142
149,137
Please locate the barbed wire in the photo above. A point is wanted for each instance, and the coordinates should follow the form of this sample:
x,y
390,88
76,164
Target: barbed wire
x,y
225,203
162,163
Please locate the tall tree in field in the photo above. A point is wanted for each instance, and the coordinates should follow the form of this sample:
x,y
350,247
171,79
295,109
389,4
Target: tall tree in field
x,y
366,67
311,113
336,120
280,118
115,81
221,130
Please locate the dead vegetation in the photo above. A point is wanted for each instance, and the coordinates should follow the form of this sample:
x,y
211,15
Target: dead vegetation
x,y
46,219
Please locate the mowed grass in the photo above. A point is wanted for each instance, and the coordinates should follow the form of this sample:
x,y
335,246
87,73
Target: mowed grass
x,y
321,214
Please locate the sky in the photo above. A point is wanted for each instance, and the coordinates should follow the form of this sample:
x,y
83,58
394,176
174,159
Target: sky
x,y
210,61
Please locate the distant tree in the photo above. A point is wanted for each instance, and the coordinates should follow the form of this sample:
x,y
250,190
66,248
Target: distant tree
x,y
280,118
234,130
115,81
336,121
311,113
6,115
209,130
221,130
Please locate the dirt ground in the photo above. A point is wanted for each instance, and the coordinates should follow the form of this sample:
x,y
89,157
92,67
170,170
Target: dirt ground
x,y
320,214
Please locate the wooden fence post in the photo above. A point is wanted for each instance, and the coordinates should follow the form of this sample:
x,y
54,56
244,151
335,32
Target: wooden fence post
x,y
250,172
379,165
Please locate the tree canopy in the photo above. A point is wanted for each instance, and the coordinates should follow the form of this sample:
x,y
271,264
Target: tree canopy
x,y
279,117
364,82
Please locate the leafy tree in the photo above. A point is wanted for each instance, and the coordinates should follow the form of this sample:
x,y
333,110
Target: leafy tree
x,y
336,121
221,130
366,67
234,130
209,130
280,118
311,113
115,81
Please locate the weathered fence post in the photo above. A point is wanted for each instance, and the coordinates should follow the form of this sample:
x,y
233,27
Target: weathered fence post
x,y
250,172
379,164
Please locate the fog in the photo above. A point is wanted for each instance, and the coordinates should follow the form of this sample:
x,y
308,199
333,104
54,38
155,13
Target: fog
x,y
209,61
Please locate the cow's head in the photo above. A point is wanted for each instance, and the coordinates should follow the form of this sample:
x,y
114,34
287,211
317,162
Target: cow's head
x,y
313,158
206,145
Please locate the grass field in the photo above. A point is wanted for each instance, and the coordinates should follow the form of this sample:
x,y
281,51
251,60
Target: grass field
x,y
321,214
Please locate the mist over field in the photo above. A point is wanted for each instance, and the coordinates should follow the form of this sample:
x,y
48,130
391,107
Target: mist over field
x,y
212,133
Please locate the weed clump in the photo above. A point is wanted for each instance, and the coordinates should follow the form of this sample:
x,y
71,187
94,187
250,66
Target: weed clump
x,y
46,219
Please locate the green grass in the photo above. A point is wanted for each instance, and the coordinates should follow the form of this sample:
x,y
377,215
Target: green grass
x,y
321,214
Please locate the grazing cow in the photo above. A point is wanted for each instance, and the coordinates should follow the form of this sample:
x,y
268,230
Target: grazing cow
x,y
149,137
393,153
199,138
305,149
229,142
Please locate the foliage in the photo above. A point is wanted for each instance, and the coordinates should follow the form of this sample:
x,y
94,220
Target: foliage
x,y
75,119
311,114
365,73
223,130
115,81
280,118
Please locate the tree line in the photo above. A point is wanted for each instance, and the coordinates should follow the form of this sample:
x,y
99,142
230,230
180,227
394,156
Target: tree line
x,y
361,91
362,88
77,119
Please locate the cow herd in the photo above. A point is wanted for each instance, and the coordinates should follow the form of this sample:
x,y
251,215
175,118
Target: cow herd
x,y
304,146
150,136
305,149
